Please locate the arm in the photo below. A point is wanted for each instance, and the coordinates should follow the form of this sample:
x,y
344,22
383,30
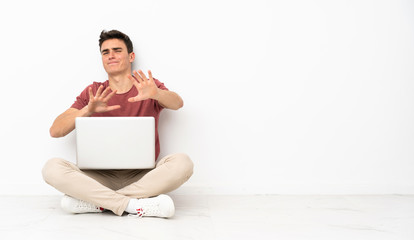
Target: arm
x,y
65,122
148,89
169,99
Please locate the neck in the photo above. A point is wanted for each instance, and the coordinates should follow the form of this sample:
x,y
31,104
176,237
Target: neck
x,y
120,82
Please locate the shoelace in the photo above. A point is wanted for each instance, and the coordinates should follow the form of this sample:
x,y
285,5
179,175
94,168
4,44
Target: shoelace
x,y
88,206
151,209
140,213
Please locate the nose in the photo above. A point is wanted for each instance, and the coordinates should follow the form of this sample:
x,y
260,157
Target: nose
x,y
111,54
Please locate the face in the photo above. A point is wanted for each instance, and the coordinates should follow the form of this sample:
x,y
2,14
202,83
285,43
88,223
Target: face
x,y
115,57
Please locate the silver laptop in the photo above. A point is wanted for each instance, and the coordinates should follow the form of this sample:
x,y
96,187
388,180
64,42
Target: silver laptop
x,y
115,142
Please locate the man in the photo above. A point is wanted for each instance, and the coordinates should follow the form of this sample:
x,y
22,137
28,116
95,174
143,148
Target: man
x,y
125,93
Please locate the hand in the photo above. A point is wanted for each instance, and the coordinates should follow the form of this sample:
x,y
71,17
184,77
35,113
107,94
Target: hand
x,y
99,102
146,87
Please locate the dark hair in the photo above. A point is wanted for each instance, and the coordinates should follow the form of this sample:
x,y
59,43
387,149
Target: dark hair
x,y
106,35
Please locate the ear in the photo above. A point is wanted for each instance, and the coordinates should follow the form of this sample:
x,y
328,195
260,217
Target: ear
x,y
131,57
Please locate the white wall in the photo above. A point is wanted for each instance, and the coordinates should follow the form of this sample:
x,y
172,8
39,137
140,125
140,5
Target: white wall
x,y
280,96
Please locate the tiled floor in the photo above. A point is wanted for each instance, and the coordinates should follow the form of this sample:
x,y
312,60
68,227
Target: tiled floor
x,y
377,217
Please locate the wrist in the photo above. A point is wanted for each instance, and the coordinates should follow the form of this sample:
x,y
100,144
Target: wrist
x,y
157,95
85,112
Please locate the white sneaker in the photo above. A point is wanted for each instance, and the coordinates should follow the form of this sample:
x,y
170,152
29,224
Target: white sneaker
x,y
159,206
73,205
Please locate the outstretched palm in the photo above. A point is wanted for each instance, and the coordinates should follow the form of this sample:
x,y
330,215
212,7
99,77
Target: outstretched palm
x,y
146,87
99,102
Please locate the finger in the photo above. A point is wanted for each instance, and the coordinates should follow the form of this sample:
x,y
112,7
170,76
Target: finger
x,y
98,93
106,92
109,96
111,108
142,74
132,78
150,75
90,94
134,99
137,76
134,81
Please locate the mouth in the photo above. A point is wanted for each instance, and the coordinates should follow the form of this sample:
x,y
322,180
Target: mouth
x,y
112,63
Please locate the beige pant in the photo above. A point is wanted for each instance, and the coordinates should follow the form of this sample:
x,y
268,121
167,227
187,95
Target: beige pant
x,y
112,189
